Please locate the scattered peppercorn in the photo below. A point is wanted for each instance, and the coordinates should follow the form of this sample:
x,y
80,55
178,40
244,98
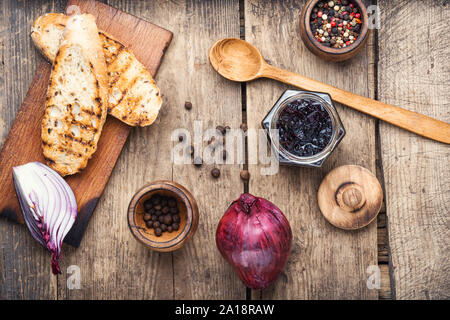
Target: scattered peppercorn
x,y
244,127
188,105
337,25
215,172
221,129
245,175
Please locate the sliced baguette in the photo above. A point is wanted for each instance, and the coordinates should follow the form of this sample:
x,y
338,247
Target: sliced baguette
x,y
134,97
77,98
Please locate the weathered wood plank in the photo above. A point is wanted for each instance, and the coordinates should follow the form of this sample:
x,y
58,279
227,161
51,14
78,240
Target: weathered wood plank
x,y
325,262
200,271
113,264
414,73
384,293
25,271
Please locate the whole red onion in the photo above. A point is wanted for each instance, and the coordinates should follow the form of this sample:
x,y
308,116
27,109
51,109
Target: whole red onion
x,y
255,238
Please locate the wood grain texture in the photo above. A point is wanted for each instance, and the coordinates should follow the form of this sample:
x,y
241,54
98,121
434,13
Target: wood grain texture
x,y
199,269
414,71
325,262
114,264
25,271
24,142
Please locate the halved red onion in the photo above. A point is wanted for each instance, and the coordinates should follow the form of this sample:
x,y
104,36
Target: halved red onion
x,y
48,205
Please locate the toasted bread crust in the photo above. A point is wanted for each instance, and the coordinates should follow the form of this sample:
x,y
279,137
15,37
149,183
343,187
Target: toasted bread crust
x,y
134,97
77,102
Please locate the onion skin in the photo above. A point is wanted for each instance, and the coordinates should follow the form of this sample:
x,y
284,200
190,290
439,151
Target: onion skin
x,y
48,206
255,238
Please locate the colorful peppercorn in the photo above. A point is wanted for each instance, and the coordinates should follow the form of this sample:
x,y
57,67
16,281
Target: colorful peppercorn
x,y
336,23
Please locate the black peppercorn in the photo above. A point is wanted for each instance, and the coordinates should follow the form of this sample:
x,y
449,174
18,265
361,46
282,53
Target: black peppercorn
x,y
149,224
175,226
167,219
156,224
174,210
148,205
188,105
147,216
245,175
172,202
163,227
221,129
155,199
158,232
215,172
176,218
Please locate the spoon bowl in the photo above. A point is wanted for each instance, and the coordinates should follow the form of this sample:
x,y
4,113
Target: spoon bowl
x,y
236,59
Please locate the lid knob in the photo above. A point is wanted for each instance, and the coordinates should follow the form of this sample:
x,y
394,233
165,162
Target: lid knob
x,y
350,197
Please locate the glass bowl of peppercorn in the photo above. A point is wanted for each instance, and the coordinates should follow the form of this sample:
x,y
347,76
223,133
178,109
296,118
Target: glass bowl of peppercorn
x,y
304,128
163,215
334,30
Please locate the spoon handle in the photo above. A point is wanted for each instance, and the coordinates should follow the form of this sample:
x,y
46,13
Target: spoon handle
x,y
408,120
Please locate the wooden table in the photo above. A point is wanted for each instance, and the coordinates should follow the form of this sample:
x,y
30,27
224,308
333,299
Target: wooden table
x,y
404,63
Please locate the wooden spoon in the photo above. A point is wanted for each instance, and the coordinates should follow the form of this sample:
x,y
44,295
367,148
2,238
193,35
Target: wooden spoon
x,y
238,60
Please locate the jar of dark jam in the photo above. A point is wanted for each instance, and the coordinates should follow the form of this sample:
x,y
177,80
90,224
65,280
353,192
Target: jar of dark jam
x,y
303,127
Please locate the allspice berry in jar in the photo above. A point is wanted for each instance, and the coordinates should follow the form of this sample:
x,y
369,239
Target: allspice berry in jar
x,y
161,214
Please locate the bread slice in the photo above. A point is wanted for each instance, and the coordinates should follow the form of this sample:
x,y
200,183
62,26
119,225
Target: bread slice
x,y
77,98
134,97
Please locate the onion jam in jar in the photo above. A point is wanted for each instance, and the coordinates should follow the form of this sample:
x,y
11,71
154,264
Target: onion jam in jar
x,y
304,127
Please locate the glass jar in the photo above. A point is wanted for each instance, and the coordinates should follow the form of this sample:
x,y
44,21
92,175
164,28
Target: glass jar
x,y
270,121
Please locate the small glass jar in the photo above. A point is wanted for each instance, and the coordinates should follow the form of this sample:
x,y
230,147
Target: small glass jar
x,y
270,121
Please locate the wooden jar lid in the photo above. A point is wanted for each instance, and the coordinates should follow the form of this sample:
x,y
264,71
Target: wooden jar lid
x,y
350,197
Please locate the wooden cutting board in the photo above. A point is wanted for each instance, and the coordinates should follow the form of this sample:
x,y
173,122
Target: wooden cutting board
x,y
23,144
